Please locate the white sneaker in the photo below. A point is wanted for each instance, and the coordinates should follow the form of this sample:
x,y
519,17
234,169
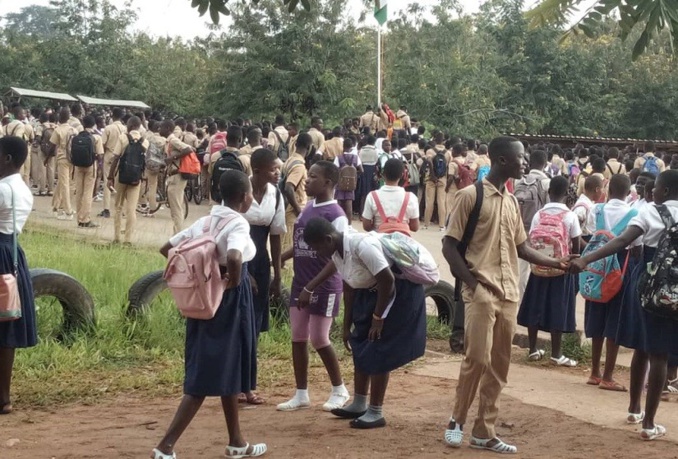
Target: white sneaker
x,y
65,216
97,198
336,400
294,404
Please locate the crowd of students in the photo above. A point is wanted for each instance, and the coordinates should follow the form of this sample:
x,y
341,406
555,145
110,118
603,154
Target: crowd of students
x,y
512,237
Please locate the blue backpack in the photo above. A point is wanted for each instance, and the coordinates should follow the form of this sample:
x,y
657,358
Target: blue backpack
x,y
483,171
603,279
651,165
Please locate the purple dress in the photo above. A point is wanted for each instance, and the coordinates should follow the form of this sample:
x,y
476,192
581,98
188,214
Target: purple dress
x,y
308,263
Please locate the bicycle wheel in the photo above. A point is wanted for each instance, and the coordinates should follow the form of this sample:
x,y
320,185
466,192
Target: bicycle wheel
x,y
185,207
188,191
197,191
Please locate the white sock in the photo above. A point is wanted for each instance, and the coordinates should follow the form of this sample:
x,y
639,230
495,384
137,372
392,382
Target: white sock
x,y
339,390
302,395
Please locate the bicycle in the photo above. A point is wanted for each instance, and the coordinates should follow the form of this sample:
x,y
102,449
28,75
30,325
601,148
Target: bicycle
x,y
194,189
161,195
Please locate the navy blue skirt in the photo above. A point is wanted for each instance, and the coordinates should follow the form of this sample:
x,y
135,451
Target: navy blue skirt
x,y
260,269
220,352
23,332
403,338
601,320
549,303
367,183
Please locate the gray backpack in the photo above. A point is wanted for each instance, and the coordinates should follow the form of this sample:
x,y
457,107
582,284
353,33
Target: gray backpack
x,y
529,193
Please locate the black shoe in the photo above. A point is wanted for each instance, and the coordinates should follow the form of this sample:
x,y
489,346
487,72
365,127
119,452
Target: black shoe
x,y
88,225
358,424
342,413
105,214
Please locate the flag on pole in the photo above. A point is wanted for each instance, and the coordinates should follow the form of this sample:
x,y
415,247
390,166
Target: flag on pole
x,y
380,11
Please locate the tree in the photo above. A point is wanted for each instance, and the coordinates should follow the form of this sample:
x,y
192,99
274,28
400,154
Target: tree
x,y
219,7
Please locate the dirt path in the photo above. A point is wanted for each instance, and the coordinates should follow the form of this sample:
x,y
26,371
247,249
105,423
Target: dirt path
x,y
418,404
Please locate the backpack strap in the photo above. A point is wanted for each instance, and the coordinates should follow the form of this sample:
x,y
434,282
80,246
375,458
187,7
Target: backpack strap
x,y
600,217
403,209
223,221
470,229
666,216
380,208
624,222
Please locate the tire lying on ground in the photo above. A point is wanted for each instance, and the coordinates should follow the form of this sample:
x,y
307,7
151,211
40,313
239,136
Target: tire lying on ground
x,y
77,303
450,312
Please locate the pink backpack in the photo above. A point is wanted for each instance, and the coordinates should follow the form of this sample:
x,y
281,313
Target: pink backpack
x,y
193,274
551,238
218,143
392,224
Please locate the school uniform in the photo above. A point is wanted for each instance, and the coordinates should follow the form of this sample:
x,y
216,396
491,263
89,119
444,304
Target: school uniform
x,y
639,329
151,195
62,197
176,184
317,138
295,172
19,333
452,171
601,320
333,148
582,209
110,139
549,303
391,199
368,157
220,352
84,178
403,338
273,142
435,188
266,219
347,158
24,131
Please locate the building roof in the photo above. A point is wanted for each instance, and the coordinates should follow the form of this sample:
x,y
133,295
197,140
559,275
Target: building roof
x,y
21,92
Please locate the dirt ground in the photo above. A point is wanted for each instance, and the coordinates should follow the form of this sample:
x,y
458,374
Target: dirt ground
x,y
416,408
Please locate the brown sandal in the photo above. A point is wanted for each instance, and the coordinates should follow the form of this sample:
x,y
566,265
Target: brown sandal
x,y
612,385
254,399
594,381
6,409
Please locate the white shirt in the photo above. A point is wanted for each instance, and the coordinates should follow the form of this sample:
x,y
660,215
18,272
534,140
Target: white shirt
x,y
613,212
368,155
23,202
582,209
363,259
234,236
391,199
266,214
651,223
571,221
639,204
355,162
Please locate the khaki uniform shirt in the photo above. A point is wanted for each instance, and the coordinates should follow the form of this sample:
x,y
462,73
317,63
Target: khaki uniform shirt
x,y
112,134
123,143
404,119
483,160
296,176
453,170
174,147
191,140
317,137
371,120
61,137
560,164
75,124
582,180
18,129
98,144
617,168
273,142
430,154
492,254
333,148
248,150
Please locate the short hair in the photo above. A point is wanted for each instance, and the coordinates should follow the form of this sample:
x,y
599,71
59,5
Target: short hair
x,y
89,121
76,109
370,140
598,165
315,120
180,122
500,146
16,148
558,186
168,124
647,174
222,125
330,171
482,149
458,148
620,184
648,147
592,182
669,179
133,123
393,169
279,120
234,135
471,144
64,115
233,183
348,143
317,229
304,141
613,153
402,143
254,135
538,159
262,158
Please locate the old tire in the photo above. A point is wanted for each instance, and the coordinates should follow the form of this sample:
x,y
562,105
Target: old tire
x,y
144,291
442,295
77,303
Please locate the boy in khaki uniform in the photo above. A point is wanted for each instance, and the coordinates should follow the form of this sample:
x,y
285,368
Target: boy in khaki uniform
x,y
61,202
435,186
176,184
126,194
453,175
490,290
85,177
370,120
19,128
316,133
150,199
295,172
43,166
110,139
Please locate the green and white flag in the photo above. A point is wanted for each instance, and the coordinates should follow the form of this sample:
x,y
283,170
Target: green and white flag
x,y
380,11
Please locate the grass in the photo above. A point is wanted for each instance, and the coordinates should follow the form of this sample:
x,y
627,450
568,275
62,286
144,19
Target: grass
x,y
123,356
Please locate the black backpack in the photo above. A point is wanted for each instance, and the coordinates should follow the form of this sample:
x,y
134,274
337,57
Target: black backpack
x,y
132,162
82,150
227,160
283,147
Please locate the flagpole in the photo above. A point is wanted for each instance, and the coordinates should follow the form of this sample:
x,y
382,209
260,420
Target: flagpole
x,y
379,65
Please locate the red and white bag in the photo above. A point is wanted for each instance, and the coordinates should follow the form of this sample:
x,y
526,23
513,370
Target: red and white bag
x,y
551,238
193,275
392,224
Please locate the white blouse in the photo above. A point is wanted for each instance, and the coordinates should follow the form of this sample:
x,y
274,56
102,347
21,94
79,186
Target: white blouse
x,y
234,236
266,213
649,220
363,258
23,200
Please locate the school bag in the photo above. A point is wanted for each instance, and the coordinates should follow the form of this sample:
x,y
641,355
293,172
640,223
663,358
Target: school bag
x,y
193,275
348,174
659,282
482,172
155,157
82,150
283,147
550,238
651,165
45,145
217,143
189,166
413,176
132,162
392,224
465,175
530,195
469,231
227,160
415,263
603,279
439,164
283,177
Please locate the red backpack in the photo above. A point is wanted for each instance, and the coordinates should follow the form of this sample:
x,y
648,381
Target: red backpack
x,y
392,224
466,176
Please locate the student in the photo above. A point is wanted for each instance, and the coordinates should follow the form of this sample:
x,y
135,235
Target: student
x,y
482,162
384,316
348,158
391,198
644,182
85,177
436,180
19,333
279,136
219,351
176,184
266,217
294,172
658,337
368,158
601,320
549,302
316,290
20,127
613,166
316,133
655,164
126,195
453,168
593,191
61,202
149,201
490,291
110,138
